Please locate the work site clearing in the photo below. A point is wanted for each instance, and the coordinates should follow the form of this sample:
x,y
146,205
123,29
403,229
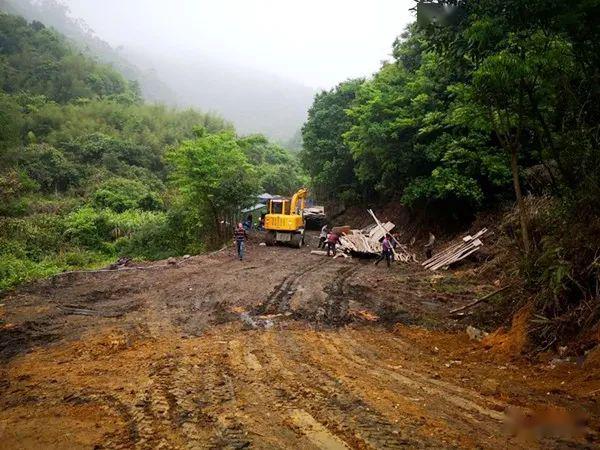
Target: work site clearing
x,y
285,349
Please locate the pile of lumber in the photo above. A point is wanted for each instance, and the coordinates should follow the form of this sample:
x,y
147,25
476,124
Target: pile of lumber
x,y
367,241
357,241
456,251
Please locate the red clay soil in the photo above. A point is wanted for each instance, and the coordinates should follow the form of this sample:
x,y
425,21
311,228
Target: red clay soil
x,y
283,350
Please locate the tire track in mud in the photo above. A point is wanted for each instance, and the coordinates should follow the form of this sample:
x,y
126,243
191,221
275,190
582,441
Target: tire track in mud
x,y
307,401
452,407
333,312
473,398
471,395
185,404
307,387
336,309
278,300
254,380
198,401
118,440
153,409
219,403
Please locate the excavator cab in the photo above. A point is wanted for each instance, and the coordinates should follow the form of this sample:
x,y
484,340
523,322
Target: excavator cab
x,y
284,221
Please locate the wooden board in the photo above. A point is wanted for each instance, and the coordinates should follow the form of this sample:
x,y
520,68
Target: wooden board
x,y
341,230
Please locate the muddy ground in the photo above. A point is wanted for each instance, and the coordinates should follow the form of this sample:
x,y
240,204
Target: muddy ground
x,y
283,350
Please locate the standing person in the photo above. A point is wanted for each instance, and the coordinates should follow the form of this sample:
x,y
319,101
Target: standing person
x,y
429,246
239,237
332,240
386,251
323,237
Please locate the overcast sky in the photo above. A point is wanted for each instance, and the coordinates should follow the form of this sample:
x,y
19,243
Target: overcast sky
x,y
316,42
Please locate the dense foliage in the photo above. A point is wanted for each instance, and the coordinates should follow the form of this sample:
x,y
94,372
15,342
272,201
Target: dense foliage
x,y
89,172
326,156
39,61
471,107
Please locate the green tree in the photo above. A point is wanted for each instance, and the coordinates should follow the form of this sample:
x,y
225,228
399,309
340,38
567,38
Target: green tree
x,y
49,168
325,155
214,176
11,123
278,170
120,194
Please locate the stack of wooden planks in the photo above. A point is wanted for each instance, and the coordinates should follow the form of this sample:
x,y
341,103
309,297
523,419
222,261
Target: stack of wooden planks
x,y
368,241
357,241
455,252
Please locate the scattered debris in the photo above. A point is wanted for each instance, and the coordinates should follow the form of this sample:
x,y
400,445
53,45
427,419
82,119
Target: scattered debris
x,y
455,252
556,362
341,255
479,300
363,314
318,252
475,334
454,362
255,322
122,268
121,262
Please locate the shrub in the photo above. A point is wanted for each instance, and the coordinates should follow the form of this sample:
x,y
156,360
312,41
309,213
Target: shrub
x,y
14,184
562,272
33,237
49,168
14,270
87,227
120,195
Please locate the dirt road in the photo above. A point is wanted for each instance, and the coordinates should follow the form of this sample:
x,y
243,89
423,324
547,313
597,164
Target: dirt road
x,y
282,350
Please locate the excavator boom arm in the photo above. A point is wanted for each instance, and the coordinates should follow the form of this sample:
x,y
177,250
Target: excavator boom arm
x,y
301,195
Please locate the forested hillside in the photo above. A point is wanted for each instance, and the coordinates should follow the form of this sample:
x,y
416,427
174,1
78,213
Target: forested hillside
x,y
254,101
55,14
89,172
494,104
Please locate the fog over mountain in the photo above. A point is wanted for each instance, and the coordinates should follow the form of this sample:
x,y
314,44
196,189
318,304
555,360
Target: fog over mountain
x,y
253,100
258,63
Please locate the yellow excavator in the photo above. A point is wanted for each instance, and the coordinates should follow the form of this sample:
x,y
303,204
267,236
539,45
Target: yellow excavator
x,y
284,221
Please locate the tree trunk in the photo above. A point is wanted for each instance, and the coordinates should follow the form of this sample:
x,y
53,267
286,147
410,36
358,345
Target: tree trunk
x,y
514,166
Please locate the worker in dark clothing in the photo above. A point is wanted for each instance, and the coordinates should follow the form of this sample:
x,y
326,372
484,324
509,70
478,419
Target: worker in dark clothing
x,y
332,240
386,251
323,237
239,237
429,246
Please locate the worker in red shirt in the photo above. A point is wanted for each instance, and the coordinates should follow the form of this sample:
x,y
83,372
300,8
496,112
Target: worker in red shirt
x,y
332,240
